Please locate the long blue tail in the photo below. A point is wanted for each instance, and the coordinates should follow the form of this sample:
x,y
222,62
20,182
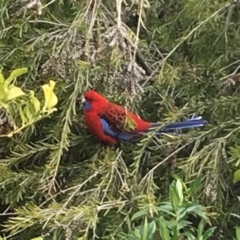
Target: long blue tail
x,y
170,128
189,123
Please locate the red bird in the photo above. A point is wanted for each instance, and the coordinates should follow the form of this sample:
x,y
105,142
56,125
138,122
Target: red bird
x,y
110,122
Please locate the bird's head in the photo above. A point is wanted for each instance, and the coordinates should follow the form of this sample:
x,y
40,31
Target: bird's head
x,y
93,101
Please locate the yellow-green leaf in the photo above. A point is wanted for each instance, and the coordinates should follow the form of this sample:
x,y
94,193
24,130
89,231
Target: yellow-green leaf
x,y
50,98
13,92
179,189
37,238
29,113
1,78
163,229
10,109
35,102
14,74
2,92
237,228
23,116
236,176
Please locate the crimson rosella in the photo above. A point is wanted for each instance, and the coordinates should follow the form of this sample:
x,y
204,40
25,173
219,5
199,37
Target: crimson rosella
x,y
108,121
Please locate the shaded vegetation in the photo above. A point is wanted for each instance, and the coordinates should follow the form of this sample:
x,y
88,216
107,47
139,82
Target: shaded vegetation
x,y
165,60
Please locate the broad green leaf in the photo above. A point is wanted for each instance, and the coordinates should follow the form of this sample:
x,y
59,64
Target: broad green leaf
x,y
200,230
237,232
200,211
50,98
10,109
236,176
13,92
23,116
183,224
163,229
192,208
174,198
35,102
145,230
168,212
29,112
37,238
14,74
179,189
181,213
181,181
2,92
152,228
189,235
207,234
148,230
139,214
167,208
172,224
1,78
137,234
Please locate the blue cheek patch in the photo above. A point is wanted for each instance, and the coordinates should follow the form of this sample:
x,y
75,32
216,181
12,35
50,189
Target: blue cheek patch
x,y
87,106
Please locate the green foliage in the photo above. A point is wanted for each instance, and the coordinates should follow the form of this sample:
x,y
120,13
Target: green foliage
x,y
165,60
9,91
29,108
171,220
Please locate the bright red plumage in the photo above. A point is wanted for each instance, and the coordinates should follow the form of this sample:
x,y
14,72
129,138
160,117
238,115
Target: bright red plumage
x,y
93,123
116,116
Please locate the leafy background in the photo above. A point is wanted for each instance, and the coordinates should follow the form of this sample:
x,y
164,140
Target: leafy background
x,y
165,60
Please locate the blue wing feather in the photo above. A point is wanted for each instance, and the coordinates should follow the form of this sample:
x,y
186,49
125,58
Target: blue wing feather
x,y
124,136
